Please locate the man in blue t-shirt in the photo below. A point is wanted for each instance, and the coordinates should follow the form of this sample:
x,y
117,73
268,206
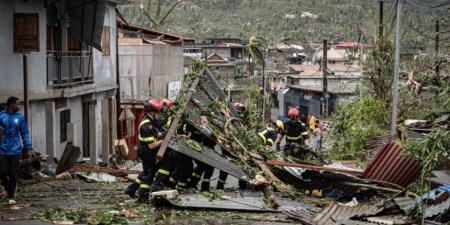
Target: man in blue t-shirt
x,y
15,141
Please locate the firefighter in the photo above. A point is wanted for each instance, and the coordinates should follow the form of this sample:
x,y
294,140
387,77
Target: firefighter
x,y
149,142
269,135
294,130
175,168
203,171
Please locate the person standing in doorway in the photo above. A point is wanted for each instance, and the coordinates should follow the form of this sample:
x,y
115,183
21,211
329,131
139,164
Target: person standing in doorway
x,y
15,141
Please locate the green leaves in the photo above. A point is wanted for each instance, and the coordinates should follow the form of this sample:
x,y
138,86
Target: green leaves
x,y
354,122
256,47
430,149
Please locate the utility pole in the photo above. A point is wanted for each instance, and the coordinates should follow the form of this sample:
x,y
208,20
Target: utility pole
x,y
436,48
380,25
396,70
325,78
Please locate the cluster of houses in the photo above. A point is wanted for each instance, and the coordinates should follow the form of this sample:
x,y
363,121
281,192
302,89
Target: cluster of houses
x,y
82,71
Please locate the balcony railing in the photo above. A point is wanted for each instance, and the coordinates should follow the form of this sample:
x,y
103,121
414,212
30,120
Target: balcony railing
x,y
69,68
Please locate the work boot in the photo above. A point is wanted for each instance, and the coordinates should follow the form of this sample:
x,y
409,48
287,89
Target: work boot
x,y
205,186
220,185
144,195
131,190
243,184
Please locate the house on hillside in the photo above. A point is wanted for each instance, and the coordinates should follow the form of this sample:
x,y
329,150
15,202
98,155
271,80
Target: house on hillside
x,y
334,56
221,67
59,57
305,87
280,56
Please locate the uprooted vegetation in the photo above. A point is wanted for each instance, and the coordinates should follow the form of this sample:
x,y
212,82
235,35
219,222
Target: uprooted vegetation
x,y
354,122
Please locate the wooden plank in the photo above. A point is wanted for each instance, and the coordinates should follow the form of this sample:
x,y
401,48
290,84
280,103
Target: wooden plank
x,y
176,120
273,179
98,169
313,167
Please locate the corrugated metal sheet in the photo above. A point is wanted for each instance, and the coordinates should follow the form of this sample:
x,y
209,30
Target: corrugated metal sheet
x,y
391,168
375,142
438,209
408,204
405,204
335,212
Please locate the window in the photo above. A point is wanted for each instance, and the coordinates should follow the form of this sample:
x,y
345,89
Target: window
x,y
106,43
64,119
72,43
26,32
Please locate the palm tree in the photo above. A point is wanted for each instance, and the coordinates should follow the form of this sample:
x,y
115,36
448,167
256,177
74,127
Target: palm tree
x,y
257,47
159,18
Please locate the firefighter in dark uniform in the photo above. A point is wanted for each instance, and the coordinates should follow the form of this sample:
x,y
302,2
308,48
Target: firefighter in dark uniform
x,y
174,170
270,134
294,130
149,142
202,171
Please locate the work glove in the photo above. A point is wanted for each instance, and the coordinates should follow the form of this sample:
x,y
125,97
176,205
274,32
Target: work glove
x,y
28,154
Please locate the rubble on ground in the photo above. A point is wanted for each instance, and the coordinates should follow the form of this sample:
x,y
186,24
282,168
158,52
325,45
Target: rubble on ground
x,y
290,189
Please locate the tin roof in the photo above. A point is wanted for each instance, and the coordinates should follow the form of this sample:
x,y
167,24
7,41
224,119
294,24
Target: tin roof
x,y
391,168
336,212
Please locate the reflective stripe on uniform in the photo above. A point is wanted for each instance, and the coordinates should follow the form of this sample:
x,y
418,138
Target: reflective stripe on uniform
x,y
145,186
294,138
270,140
181,184
205,180
145,139
262,136
138,181
221,181
165,172
195,175
172,180
304,133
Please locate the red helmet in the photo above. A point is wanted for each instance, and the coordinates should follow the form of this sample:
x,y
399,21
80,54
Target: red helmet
x,y
153,105
293,112
168,102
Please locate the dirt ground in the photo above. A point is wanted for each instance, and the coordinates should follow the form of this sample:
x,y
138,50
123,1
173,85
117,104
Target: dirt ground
x,y
105,203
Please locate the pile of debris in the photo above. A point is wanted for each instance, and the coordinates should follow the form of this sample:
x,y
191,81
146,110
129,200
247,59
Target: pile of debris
x,y
377,194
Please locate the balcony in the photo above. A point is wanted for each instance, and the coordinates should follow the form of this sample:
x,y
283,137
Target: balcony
x,y
69,68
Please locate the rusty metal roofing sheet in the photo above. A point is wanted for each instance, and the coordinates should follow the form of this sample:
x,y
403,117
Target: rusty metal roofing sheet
x,y
335,212
375,142
391,168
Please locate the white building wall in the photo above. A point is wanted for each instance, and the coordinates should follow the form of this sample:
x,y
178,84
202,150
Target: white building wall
x,y
146,70
105,66
12,76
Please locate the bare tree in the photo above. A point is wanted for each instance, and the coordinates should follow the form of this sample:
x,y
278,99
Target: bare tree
x,y
156,16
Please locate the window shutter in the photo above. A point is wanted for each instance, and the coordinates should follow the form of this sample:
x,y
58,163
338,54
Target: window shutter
x,y
26,32
106,43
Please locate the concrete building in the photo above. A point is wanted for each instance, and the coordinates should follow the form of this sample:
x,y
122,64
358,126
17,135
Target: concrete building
x,y
60,58
305,85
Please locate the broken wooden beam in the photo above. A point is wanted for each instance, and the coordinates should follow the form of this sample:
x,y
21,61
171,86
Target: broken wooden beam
x,y
313,167
273,179
98,169
176,120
